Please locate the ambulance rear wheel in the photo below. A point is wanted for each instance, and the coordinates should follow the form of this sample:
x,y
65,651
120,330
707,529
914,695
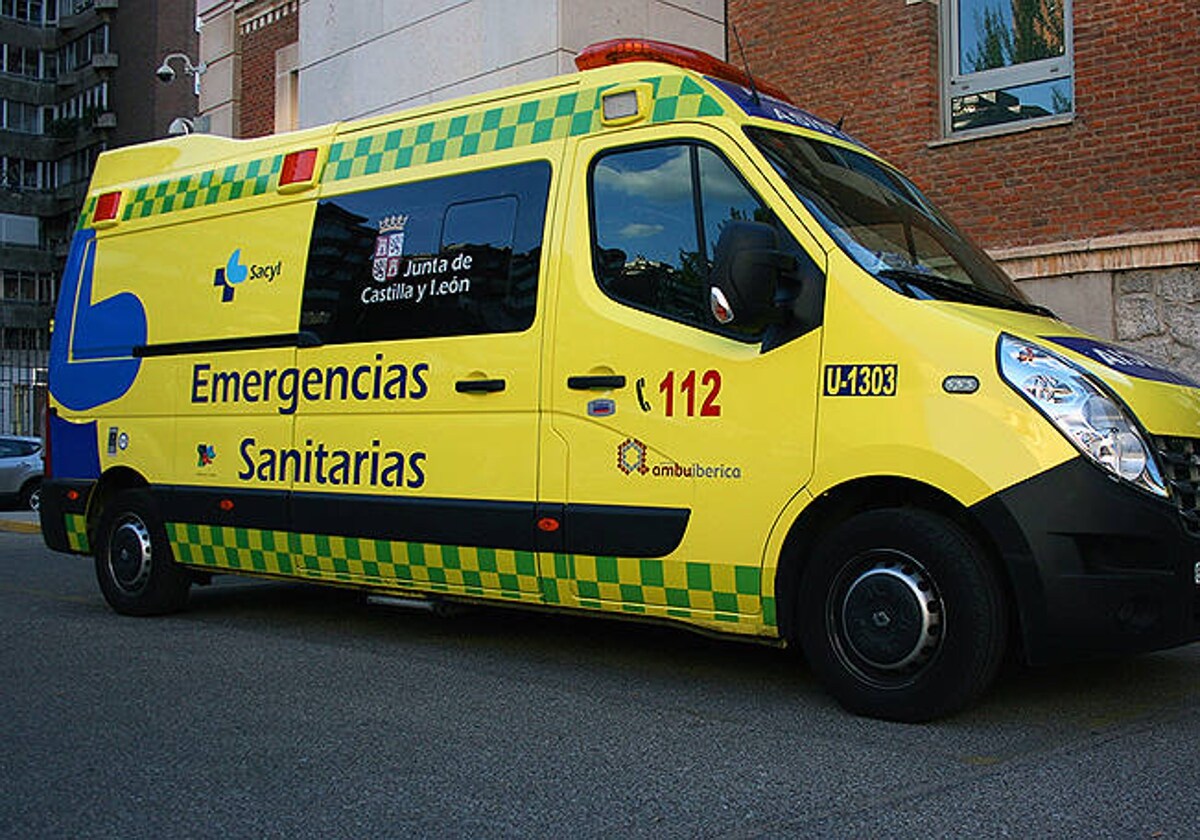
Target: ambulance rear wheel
x,y
136,570
901,615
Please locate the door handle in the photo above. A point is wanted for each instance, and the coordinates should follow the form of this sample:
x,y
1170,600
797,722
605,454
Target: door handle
x,y
595,383
479,386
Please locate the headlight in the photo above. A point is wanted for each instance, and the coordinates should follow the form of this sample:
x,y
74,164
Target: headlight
x,y
1073,401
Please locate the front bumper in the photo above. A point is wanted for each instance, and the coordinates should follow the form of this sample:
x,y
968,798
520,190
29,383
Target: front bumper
x,y
1096,566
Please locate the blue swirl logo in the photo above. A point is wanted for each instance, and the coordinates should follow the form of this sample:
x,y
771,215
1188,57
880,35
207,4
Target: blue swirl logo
x,y
91,349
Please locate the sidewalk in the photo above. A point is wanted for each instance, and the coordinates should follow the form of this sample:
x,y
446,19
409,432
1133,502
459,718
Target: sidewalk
x,y
20,521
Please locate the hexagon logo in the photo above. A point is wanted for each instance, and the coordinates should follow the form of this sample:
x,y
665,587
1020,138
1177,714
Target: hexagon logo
x,y
631,457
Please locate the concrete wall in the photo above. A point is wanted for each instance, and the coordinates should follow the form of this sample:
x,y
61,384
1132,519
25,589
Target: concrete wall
x,y
219,88
1140,289
375,56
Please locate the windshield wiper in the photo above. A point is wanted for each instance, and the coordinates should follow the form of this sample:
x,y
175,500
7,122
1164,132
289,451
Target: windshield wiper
x,y
928,282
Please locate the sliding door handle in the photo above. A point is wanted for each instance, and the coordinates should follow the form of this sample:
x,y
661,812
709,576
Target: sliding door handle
x,y
479,386
595,383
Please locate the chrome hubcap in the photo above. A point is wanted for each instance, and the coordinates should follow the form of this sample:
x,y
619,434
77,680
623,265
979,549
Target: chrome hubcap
x,y
129,554
888,618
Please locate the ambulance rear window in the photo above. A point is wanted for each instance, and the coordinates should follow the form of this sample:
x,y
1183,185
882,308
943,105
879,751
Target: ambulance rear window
x,y
448,256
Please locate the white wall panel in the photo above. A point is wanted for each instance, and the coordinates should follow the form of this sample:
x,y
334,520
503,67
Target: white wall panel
x,y
374,56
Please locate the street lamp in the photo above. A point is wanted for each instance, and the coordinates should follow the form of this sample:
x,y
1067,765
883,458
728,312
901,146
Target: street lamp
x,y
166,73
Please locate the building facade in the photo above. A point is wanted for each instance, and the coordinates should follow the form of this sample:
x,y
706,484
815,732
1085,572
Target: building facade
x,y
1061,135
361,59
250,49
274,65
76,77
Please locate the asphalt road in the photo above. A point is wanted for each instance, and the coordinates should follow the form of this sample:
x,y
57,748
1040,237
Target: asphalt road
x,y
275,710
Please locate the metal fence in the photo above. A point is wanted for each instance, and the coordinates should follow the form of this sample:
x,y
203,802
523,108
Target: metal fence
x,y
22,392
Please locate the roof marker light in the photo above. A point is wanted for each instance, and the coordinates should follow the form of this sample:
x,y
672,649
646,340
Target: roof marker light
x,y
620,106
108,206
298,171
622,50
626,104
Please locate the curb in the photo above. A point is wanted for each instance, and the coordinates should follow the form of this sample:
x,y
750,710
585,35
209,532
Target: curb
x,y
20,527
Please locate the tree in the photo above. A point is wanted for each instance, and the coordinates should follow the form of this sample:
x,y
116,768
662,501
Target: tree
x,y
1036,31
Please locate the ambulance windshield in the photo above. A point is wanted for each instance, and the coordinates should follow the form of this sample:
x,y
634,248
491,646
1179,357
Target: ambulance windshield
x,y
884,222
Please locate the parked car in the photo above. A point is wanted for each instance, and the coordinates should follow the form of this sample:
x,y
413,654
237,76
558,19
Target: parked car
x,y
21,467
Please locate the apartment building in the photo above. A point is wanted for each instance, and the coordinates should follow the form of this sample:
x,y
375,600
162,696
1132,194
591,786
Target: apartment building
x,y
76,77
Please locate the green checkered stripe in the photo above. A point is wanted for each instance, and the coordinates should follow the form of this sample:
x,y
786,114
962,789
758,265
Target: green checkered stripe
x,y
77,538
503,127
446,138
85,216
434,568
639,585
214,186
647,586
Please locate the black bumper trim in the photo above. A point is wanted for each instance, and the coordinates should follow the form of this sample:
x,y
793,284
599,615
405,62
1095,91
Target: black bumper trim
x,y
56,503
1097,567
616,530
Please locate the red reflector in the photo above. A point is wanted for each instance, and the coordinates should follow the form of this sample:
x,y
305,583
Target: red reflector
x,y
548,524
72,495
298,167
226,505
107,207
622,50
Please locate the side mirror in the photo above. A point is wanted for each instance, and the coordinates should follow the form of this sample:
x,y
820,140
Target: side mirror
x,y
610,261
747,269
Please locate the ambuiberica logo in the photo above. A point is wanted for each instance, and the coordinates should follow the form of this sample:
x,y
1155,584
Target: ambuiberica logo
x,y
234,273
633,458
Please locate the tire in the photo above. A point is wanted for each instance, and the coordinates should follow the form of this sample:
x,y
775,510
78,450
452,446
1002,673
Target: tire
x,y
134,564
901,615
31,495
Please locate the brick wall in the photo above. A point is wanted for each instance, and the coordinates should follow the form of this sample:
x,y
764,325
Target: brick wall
x,y
265,29
1128,162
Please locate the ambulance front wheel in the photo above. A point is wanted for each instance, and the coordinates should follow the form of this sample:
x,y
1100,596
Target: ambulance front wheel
x,y
134,565
901,615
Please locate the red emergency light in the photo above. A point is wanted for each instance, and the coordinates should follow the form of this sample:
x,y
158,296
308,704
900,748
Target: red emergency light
x,y
298,167
623,50
107,207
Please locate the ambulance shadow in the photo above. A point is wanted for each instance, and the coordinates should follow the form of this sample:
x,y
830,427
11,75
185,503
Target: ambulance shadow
x,y
664,656
1098,693
592,639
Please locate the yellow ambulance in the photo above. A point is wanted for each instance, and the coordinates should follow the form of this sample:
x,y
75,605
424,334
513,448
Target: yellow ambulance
x,y
646,340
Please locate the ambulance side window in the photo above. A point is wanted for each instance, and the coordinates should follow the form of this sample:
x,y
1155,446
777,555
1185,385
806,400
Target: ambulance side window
x,y
657,212
449,256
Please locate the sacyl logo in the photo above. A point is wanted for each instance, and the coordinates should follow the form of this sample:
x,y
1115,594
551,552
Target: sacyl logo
x,y
234,274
